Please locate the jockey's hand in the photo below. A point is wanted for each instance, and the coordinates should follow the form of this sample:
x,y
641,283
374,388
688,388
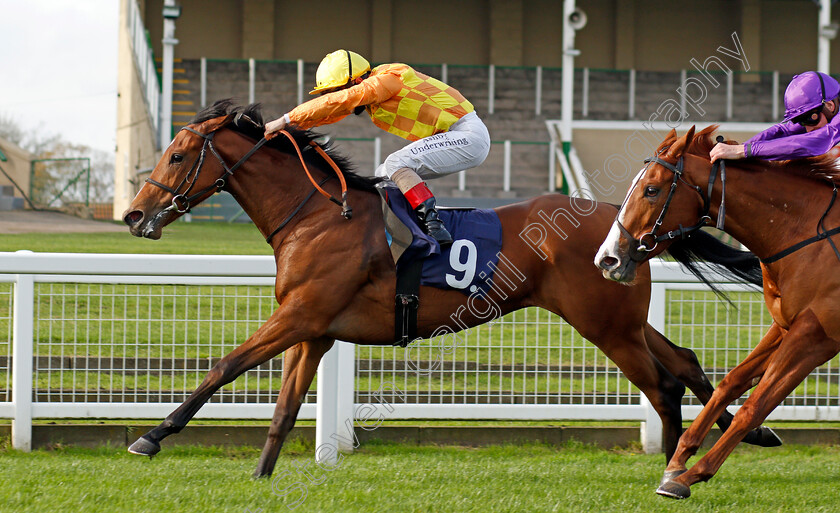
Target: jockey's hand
x,y
272,127
727,151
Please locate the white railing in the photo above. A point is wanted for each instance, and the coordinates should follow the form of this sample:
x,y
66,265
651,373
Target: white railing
x,y
145,61
130,336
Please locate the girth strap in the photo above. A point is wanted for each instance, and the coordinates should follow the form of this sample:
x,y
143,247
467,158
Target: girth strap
x,y
407,301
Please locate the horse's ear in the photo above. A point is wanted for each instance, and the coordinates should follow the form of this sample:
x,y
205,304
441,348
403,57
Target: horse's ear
x,y
211,125
669,140
678,148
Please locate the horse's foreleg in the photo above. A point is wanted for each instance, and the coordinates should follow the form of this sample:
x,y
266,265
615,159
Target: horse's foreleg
x,y
738,381
272,338
299,367
801,350
683,364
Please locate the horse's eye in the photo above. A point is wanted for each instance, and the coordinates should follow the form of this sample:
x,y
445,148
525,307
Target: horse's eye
x,y
176,158
651,191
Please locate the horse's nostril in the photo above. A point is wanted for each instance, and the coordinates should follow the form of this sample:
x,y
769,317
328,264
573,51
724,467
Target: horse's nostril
x,y
609,262
133,217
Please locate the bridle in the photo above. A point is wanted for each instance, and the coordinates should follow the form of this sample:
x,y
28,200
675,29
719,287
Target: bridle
x,y
641,247
181,201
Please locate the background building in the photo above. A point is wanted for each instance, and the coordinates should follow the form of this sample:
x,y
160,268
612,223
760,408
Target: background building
x,y
637,59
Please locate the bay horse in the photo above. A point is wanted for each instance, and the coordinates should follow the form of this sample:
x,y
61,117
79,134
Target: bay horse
x,y
774,209
336,277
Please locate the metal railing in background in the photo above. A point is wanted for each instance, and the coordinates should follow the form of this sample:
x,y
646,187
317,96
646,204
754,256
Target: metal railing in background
x,y
144,59
130,336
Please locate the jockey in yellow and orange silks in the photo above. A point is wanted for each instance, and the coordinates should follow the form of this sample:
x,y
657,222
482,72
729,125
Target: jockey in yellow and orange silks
x,y
447,135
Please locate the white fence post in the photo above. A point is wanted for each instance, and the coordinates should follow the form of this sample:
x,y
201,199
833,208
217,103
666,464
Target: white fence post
x,y
631,96
683,79
326,423
506,177
346,394
775,93
252,79
22,352
203,81
552,166
377,152
335,408
491,89
651,429
585,93
730,91
300,81
538,94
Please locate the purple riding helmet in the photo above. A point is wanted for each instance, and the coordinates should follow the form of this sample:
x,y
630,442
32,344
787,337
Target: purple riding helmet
x,y
808,91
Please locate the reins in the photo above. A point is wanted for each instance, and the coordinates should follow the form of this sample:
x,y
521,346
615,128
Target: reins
x,y
346,211
181,201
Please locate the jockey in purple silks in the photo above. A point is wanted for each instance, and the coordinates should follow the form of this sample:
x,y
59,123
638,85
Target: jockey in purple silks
x,y
811,126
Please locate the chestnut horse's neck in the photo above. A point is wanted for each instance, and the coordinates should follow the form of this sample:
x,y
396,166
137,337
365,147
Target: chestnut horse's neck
x,y
767,208
273,188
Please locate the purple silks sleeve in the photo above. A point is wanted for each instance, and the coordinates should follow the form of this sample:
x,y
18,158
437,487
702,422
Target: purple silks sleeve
x,y
787,141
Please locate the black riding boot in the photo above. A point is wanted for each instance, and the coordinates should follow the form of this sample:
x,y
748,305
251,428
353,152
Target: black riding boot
x,y
430,222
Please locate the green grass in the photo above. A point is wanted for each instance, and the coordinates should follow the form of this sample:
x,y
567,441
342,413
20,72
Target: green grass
x,y
197,238
391,477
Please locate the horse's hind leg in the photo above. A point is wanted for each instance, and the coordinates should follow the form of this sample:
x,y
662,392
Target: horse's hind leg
x,y
683,364
664,391
272,338
299,367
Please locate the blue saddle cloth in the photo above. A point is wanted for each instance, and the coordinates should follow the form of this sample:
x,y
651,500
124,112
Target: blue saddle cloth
x,y
468,264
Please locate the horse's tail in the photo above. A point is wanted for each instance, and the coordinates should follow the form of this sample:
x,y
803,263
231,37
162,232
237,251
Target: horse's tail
x,y
733,264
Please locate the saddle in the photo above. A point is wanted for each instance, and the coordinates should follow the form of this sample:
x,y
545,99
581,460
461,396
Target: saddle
x,y
467,265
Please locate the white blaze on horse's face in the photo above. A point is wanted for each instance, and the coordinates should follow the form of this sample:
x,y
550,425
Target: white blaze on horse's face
x,y
615,264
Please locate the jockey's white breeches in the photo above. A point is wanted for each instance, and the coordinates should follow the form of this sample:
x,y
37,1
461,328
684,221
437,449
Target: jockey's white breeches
x,y
465,145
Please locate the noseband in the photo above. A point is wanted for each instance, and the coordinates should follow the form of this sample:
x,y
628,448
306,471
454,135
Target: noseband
x,y
640,248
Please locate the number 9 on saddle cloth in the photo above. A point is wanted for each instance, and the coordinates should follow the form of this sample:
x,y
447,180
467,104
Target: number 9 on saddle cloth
x,y
467,265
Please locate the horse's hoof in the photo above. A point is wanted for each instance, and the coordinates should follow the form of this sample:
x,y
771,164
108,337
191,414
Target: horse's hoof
x,y
144,447
669,475
674,490
763,436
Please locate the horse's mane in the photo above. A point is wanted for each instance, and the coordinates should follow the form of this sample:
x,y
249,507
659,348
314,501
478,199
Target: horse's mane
x,y
820,168
248,121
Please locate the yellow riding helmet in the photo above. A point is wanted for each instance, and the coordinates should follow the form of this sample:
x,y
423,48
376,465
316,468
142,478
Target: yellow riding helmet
x,y
338,69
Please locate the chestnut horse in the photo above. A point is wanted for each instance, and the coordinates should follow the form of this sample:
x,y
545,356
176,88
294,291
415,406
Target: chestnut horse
x,y
336,277
774,209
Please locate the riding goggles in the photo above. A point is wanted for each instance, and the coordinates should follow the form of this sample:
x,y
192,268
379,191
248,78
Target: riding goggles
x,y
810,118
